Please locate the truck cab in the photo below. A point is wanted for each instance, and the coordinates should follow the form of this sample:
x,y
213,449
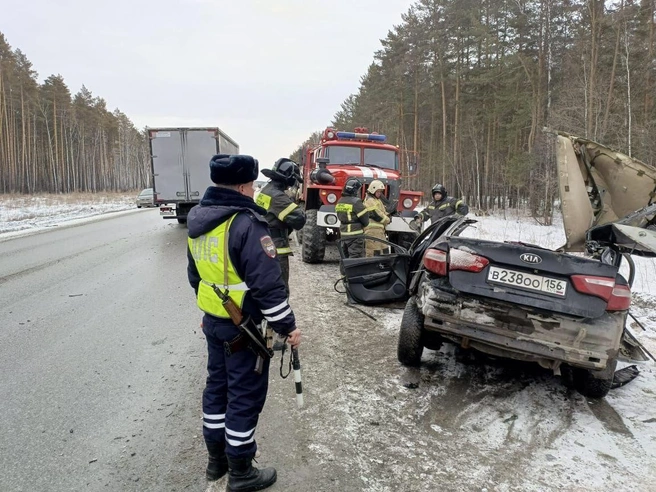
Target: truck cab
x,y
339,156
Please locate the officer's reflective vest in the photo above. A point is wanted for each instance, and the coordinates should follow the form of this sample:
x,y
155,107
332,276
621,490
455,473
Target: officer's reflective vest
x,y
210,253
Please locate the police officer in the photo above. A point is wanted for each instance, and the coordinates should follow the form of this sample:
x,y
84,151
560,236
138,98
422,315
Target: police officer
x,y
378,218
353,218
443,205
283,215
229,247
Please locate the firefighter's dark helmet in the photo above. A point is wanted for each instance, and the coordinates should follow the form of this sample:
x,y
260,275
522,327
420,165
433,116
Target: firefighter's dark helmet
x,y
285,171
438,188
352,187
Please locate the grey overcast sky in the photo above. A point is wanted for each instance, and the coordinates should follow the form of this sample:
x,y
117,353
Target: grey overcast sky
x,y
266,72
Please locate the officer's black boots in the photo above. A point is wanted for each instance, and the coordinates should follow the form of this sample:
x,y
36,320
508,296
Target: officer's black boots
x,y
217,464
244,477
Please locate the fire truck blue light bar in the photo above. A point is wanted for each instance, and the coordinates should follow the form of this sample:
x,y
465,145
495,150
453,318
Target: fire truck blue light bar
x,y
361,136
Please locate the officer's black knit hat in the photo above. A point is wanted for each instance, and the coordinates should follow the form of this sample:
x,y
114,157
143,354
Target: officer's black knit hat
x,y
233,169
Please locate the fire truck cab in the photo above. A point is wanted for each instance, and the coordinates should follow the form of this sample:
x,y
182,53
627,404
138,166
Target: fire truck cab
x,y
326,167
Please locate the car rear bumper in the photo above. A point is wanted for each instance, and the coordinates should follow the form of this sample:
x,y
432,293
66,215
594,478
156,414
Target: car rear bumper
x,y
512,331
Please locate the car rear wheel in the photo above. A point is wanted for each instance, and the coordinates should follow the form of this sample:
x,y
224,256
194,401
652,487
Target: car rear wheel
x,y
594,384
410,345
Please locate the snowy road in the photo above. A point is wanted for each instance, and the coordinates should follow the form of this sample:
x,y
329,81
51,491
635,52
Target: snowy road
x,y
103,368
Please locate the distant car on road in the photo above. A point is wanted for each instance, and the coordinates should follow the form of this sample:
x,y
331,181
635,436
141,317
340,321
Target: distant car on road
x,y
145,198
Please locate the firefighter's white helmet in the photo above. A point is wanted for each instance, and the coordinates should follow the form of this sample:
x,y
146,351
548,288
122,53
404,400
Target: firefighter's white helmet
x,y
375,186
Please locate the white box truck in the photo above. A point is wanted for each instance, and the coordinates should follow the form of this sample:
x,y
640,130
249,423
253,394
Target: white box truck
x,y
180,159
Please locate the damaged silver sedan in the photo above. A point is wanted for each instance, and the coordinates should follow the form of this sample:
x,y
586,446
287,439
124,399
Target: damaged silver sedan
x,y
565,311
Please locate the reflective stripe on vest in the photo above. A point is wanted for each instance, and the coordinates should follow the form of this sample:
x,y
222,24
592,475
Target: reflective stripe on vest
x,y
355,233
208,253
289,209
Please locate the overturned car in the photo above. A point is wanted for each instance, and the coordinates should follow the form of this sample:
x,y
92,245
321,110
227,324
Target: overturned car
x,y
516,300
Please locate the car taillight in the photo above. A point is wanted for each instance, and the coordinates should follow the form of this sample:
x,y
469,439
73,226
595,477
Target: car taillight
x,y
620,299
462,260
617,297
435,260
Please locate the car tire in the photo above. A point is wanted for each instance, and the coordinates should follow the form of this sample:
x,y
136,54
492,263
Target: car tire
x,y
410,345
313,248
138,206
594,384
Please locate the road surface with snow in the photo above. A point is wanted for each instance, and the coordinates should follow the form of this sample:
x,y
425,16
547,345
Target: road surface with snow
x,y
103,368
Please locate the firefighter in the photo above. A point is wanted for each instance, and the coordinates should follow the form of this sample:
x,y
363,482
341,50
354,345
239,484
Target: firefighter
x,y
378,218
283,215
353,218
443,205
415,225
229,247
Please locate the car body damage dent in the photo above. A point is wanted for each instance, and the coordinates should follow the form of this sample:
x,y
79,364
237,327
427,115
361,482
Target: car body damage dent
x,y
522,334
598,185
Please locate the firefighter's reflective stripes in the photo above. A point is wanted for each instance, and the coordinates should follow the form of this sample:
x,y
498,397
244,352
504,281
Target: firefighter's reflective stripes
x,y
208,253
287,211
352,214
216,421
235,438
278,312
373,223
282,215
378,216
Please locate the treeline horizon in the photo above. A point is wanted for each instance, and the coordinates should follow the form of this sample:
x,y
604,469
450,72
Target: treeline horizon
x,y
55,142
470,86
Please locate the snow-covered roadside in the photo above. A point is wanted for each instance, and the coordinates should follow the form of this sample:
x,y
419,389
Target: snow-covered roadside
x,y
21,214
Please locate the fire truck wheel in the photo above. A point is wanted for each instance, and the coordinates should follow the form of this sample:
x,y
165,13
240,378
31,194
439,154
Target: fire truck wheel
x,y
313,247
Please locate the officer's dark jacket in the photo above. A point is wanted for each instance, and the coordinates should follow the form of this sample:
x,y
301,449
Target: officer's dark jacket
x,y
283,215
248,235
352,215
444,208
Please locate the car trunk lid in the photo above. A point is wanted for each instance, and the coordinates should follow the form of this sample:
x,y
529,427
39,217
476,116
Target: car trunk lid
x,y
531,276
598,186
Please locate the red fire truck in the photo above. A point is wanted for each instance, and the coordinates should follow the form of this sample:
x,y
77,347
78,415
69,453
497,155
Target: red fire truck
x,y
326,167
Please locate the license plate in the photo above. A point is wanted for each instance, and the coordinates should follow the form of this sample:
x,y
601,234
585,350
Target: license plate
x,y
527,281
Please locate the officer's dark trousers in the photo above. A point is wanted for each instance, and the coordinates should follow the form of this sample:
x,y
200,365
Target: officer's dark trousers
x,y
353,248
284,266
234,394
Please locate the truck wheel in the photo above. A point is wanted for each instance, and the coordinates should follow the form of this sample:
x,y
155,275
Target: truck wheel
x,y
594,384
410,346
313,248
182,221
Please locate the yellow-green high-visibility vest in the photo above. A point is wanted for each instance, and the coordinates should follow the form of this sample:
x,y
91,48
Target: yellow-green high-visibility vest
x,y
210,253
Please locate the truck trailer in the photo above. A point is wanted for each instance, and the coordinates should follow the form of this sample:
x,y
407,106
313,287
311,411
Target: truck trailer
x,y
180,160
